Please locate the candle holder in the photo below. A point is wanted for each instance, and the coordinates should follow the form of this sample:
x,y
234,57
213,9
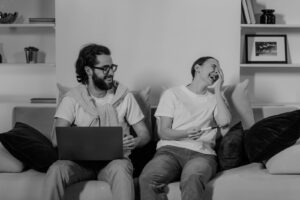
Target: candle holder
x,y
268,16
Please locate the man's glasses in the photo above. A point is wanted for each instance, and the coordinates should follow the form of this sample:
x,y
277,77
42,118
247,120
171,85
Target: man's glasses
x,y
107,68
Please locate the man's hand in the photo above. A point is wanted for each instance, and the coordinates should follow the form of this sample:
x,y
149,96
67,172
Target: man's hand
x,y
129,142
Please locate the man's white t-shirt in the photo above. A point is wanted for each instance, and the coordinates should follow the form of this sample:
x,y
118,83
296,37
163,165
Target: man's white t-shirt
x,y
128,110
188,110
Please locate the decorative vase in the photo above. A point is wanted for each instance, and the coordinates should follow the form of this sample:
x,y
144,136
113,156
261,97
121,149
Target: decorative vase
x,y
31,54
267,17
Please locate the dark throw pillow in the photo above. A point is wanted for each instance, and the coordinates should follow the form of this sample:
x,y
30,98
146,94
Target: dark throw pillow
x,y
272,135
30,147
230,150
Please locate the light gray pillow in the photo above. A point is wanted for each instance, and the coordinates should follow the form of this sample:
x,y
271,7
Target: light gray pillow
x,y
9,163
286,161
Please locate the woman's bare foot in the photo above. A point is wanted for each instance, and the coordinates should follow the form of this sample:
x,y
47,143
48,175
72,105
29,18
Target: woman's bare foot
x,y
242,104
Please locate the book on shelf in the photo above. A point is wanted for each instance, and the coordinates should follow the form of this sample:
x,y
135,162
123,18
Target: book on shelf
x,y
246,12
41,20
43,100
243,17
251,11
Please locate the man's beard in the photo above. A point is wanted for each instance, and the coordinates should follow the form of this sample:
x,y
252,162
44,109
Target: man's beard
x,y
100,83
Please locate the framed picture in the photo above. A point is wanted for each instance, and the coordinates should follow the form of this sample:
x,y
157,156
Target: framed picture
x,y
266,49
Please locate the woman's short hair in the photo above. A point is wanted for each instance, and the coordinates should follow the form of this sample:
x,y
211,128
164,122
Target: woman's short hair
x,y
199,61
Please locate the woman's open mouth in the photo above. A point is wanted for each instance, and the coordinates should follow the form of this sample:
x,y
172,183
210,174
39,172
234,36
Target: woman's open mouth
x,y
213,76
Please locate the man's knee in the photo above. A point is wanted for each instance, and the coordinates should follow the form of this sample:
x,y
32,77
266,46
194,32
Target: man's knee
x,y
59,167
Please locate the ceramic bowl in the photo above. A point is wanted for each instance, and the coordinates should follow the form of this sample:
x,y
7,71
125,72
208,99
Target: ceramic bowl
x,y
8,18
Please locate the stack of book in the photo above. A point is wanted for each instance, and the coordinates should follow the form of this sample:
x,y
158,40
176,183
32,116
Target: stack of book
x,y
43,100
42,20
248,13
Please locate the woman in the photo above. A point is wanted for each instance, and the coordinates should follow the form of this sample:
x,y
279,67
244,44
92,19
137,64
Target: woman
x,y
186,115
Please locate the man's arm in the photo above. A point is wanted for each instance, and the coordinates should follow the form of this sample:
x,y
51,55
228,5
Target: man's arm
x,y
58,122
135,118
142,138
143,135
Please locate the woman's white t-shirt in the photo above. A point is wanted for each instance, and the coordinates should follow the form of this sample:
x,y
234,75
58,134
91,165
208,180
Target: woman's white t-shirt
x,y
188,110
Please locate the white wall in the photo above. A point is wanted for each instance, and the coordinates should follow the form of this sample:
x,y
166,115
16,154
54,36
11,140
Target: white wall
x,y
150,40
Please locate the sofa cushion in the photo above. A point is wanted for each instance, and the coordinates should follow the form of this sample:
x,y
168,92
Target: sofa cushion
x,y
8,163
21,186
28,185
38,116
29,146
271,135
286,161
231,149
252,182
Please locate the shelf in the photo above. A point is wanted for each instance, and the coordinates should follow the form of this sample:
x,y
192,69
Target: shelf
x,y
266,26
27,25
263,65
21,101
283,104
26,103
28,65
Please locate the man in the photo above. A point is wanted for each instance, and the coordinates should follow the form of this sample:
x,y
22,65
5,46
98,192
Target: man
x,y
98,101
185,115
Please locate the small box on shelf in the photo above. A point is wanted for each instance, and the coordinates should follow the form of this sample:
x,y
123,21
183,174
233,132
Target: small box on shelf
x,y
42,20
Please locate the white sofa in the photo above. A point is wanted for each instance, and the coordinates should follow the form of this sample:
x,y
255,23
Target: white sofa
x,y
252,181
249,182
28,185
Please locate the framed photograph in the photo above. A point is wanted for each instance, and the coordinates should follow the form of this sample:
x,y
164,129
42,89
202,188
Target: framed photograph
x,y
266,49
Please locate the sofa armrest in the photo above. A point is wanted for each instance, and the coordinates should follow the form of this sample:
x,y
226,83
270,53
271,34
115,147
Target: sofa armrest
x,y
40,118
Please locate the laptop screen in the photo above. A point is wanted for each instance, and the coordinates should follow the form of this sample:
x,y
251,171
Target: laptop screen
x,y
89,143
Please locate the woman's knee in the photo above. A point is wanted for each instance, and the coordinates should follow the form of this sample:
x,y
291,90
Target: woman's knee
x,y
145,177
121,166
197,172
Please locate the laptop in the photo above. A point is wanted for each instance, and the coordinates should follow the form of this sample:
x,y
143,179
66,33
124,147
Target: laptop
x,y
89,143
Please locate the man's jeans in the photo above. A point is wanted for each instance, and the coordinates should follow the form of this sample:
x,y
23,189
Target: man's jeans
x,y
170,164
63,173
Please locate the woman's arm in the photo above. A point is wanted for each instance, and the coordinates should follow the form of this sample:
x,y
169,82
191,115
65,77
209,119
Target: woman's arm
x,y
223,117
166,132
